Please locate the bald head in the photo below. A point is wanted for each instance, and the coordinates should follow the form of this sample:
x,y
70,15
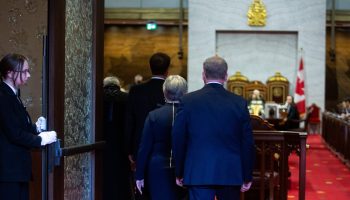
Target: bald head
x,y
215,68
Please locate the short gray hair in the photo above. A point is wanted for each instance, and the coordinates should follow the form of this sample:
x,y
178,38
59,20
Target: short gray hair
x,y
174,87
215,68
111,80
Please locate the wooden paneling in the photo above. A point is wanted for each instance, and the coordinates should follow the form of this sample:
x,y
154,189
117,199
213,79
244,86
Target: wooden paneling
x,y
56,31
338,72
335,132
128,48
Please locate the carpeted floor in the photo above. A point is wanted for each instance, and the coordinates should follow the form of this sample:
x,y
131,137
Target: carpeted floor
x,y
327,178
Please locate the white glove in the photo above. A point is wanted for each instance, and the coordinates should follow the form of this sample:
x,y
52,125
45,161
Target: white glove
x,y
48,137
140,184
41,124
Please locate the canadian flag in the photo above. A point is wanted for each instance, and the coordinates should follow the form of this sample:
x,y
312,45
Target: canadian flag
x,y
299,96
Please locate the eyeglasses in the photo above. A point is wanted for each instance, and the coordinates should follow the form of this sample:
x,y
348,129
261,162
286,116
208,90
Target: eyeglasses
x,y
23,71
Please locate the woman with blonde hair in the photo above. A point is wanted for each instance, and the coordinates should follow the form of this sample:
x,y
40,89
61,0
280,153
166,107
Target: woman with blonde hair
x,y
154,160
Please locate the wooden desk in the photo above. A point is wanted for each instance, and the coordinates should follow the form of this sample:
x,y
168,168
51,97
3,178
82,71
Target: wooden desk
x,y
276,122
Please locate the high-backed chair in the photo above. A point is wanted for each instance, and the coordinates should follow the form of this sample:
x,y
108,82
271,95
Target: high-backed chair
x,y
278,88
237,83
313,120
255,85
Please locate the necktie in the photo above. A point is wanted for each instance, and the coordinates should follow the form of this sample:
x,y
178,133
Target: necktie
x,y
19,99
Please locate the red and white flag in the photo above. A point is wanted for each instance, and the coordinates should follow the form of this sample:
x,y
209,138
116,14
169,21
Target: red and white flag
x,y
299,96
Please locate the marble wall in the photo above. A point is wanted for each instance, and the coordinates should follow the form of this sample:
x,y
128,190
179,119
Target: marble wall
x,y
263,52
290,26
78,97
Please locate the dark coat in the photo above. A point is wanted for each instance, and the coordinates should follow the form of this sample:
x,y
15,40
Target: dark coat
x,y
17,136
142,99
116,164
114,102
212,138
153,160
293,117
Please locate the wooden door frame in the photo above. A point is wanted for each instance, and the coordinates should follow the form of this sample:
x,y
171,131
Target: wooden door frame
x,y
56,77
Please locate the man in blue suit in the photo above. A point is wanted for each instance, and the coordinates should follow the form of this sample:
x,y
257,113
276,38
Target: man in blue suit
x,y
212,139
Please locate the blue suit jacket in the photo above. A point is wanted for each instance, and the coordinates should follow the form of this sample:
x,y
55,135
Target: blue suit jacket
x,y
212,138
153,160
156,141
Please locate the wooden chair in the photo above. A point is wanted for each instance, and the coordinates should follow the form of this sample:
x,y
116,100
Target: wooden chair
x,y
314,120
237,83
255,85
278,88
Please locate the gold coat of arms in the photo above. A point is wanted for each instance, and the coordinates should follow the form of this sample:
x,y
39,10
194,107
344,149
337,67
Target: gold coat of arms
x,y
257,14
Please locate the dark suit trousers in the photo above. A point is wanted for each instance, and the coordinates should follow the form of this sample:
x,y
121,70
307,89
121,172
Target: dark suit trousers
x,y
14,190
209,192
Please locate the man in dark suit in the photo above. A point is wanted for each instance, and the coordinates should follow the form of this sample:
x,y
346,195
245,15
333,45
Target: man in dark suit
x,y
293,117
142,99
212,139
18,135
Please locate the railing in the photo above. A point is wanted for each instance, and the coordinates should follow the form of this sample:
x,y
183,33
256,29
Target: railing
x,y
336,134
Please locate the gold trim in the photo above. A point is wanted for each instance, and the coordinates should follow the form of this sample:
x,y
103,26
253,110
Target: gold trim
x,y
238,77
277,77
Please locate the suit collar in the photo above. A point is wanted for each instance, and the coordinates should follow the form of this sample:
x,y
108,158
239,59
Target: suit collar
x,y
12,88
156,80
158,77
213,85
7,89
214,82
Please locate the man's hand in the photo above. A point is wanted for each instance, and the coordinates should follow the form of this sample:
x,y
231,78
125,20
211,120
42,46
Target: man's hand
x,y
179,182
246,186
140,184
